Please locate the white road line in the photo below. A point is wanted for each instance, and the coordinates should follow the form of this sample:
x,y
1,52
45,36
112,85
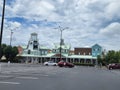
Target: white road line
x,y
10,83
44,75
27,77
5,76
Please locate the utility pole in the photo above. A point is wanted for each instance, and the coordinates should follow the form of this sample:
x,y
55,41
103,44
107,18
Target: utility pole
x,y
2,24
11,37
61,31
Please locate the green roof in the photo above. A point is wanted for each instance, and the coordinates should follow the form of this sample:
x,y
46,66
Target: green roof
x,y
66,55
57,46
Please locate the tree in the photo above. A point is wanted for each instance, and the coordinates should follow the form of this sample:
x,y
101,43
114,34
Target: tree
x,y
14,53
2,49
8,52
112,56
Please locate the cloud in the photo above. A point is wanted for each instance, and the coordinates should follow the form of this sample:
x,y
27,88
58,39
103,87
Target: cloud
x,y
112,30
90,21
112,9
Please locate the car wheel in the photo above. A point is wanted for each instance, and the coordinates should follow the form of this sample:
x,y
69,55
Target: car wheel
x,y
54,65
110,68
46,64
60,65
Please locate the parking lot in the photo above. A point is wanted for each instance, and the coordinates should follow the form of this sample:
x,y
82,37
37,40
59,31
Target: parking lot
x,y
36,76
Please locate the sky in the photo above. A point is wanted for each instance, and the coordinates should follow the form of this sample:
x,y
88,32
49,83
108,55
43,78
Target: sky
x,y
90,22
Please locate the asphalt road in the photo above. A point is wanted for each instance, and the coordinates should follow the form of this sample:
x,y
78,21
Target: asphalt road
x,y
37,77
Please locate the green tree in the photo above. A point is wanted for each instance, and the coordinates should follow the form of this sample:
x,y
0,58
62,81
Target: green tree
x,y
7,52
3,46
112,56
14,53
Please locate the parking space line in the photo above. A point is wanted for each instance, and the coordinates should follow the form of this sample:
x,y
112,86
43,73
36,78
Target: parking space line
x,y
5,76
10,83
27,77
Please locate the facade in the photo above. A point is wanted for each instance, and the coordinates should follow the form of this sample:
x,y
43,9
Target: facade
x,y
34,53
96,50
83,51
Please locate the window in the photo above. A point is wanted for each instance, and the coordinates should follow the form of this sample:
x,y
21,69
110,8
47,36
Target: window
x,y
29,51
84,53
35,46
98,49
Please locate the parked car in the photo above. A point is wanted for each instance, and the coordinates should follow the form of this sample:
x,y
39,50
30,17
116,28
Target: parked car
x,y
65,64
50,63
114,66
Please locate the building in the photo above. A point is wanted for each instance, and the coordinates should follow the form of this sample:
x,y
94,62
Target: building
x,y
33,50
20,49
83,51
96,50
35,53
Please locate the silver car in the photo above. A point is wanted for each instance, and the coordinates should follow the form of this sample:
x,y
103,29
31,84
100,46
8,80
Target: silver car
x,y
50,63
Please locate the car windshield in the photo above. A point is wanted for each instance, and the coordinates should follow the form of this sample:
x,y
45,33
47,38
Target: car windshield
x,y
50,61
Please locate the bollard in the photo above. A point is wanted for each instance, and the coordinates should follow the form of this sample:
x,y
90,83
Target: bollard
x,y
8,63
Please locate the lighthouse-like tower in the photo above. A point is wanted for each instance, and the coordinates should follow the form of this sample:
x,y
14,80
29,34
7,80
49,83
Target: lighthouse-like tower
x,y
33,43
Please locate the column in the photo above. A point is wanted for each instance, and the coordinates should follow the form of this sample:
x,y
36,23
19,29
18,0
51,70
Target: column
x,y
79,60
26,61
32,60
73,60
96,62
41,60
91,61
66,60
84,60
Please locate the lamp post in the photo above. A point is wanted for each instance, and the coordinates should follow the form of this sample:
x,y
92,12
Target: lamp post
x,y
11,37
61,31
2,23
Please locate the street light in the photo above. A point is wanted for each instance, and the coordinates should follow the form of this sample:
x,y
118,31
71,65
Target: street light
x,y
11,33
11,37
2,23
61,31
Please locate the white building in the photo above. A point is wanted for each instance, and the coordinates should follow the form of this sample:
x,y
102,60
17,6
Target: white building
x,y
35,53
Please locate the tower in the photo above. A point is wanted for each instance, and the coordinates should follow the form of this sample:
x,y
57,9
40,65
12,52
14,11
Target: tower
x,y
33,42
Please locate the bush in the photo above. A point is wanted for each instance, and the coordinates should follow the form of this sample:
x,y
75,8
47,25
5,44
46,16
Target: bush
x,y
83,64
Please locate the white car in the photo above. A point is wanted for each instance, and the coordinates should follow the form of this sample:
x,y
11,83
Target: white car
x,y
50,63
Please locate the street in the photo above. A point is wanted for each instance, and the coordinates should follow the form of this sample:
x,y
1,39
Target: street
x,y
39,77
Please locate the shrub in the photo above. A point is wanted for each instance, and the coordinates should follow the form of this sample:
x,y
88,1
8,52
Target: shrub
x,y
83,64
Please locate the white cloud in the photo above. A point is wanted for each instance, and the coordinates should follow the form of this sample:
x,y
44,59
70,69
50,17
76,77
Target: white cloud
x,y
35,9
91,21
112,9
61,1
112,30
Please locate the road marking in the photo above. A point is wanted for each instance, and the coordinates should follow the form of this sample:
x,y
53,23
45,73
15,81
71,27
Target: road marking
x,y
5,76
10,82
44,75
27,77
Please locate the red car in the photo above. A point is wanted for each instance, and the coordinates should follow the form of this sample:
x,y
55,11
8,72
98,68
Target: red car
x,y
65,64
114,66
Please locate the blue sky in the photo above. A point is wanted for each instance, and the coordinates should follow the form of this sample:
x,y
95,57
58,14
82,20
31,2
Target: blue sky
x,y
89,22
